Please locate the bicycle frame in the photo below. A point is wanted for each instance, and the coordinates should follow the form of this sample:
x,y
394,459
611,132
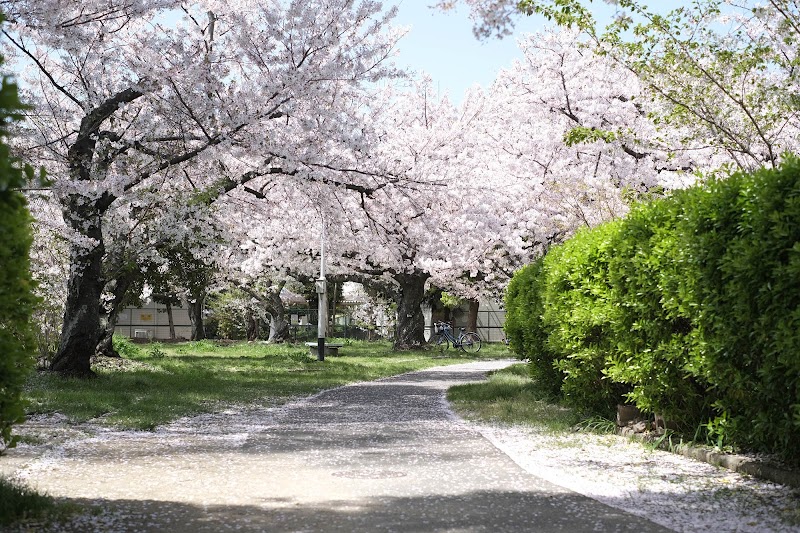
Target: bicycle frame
x,y
447,332
467,341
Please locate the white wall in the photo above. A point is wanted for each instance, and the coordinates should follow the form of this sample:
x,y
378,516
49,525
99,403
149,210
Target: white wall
x,y
151,321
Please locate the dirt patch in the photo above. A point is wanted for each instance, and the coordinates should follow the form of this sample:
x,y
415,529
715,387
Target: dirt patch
x,y
119,364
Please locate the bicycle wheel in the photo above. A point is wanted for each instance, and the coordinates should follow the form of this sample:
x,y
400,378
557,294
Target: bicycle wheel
x,y
442,343
470,342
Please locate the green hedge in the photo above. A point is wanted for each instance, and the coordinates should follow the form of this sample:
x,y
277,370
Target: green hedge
x,y
16,298
525,330
651,350
746,282
579,314
689,307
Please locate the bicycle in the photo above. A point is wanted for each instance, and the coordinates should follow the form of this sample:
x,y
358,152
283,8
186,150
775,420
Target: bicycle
x,y
469,341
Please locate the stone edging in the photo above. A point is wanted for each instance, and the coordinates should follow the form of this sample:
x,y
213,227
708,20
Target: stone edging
x,y
743,465
736,463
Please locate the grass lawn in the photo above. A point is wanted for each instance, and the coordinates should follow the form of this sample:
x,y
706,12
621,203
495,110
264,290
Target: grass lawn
x,y
154,384
157,383
18,502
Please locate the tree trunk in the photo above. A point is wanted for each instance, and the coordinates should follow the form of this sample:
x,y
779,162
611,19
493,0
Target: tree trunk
x,y
252,320
171,321
410,320
81,330
196,305
278,325
332,327
106,345
273,305
472,317
278,328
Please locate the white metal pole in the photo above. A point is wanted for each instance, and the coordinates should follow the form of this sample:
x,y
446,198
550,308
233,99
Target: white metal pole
x,y
322,294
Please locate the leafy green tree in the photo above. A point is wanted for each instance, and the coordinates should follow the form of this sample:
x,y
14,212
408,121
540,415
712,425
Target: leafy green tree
x,y
724,73
17,301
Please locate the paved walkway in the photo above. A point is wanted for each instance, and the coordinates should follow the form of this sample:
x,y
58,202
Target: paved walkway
x,y
380,456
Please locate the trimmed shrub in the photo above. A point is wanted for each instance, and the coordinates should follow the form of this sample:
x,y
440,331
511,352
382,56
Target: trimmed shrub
x,y
652,331
745,252
579,315
525,330
17,342
689,307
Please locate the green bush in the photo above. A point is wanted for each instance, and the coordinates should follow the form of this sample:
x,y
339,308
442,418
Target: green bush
x,y
228,317
125,347
17,342
746,261
526,333
652,331
689,307
579,315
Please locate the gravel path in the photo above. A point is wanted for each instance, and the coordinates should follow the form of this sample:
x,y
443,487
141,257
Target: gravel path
x,y
382,456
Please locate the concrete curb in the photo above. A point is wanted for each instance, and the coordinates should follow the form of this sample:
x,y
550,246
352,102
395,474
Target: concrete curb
x,y
744,465
763,470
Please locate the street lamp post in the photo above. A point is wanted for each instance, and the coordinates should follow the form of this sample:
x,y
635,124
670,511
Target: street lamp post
x,y
322,295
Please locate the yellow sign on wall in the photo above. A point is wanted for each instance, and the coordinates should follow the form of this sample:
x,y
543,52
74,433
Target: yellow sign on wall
x,y
146,317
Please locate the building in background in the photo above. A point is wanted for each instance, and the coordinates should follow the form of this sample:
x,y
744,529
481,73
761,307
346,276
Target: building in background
x,y
151,321
491,317
356,316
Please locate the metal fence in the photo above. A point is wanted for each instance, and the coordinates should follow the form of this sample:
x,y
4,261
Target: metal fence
x,y
490,325
308,332
151,323
303,327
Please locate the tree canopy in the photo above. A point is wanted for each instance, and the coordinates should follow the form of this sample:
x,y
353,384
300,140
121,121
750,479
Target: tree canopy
x,y
192,144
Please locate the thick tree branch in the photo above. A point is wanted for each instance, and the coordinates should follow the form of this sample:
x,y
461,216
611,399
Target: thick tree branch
x,y
80,154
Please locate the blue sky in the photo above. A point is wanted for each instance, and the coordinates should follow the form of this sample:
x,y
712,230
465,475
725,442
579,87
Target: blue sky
x,y
442,43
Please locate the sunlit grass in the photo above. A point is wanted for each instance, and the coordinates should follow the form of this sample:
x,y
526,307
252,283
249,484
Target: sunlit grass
x,y
21,504
162,382
510,396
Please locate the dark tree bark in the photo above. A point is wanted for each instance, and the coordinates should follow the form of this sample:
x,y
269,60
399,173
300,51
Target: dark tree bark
x,y
278,325
105,346
171,321
271,302
410,321
81,330
472,317
196,306
124,282
278,328
253,322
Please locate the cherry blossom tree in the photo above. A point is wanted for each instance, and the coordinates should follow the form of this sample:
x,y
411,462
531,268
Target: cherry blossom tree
x,y
486,185
261,288
722,72
50,270
372,310
438,224
582,142
162,95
